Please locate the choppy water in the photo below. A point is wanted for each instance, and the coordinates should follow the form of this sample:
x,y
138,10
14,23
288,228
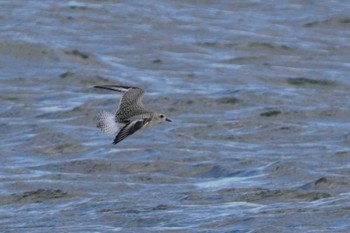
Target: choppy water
x,y
258,92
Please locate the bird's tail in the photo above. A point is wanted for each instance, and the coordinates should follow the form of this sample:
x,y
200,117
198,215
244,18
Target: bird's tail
x,y
106,122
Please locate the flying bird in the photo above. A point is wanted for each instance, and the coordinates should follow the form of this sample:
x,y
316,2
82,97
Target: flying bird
x,y
131,115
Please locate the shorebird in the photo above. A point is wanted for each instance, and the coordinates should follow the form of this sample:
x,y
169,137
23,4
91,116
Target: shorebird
x,y
131,115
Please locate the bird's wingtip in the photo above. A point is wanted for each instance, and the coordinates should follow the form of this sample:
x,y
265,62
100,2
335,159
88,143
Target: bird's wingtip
x,y
118,88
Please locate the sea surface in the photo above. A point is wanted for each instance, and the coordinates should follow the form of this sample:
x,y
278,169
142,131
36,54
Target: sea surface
x,y
259,97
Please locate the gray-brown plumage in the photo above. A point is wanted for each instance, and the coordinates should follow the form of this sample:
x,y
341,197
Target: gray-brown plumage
x,y
131,115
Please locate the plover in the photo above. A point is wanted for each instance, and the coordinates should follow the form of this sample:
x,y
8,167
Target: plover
x,y
131,115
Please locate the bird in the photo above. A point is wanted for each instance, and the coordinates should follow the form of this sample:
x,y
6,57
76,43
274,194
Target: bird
x,y
130,116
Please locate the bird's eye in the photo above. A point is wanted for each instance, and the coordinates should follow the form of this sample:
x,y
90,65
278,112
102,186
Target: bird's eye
x,y
161,116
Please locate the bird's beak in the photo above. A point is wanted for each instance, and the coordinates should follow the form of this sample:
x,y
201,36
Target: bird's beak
x,y
167,119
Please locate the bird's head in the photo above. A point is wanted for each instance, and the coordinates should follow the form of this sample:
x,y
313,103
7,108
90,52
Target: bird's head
x,y
160,117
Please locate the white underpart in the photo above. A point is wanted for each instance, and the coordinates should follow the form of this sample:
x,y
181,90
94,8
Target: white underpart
x,y
106,122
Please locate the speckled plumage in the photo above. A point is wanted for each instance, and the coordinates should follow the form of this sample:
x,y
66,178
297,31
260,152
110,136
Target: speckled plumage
x,y
131,115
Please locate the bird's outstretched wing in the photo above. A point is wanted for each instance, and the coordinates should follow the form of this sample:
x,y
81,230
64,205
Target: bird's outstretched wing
x,y
131,102
130,128
115,87
132,95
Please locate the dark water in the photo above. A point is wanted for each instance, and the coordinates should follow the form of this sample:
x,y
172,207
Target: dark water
x,y
258,92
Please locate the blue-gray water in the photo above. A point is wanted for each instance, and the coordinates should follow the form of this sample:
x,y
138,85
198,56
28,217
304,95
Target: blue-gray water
x,y
259,95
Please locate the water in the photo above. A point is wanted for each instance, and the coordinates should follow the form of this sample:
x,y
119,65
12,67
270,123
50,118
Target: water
x,y
259,97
